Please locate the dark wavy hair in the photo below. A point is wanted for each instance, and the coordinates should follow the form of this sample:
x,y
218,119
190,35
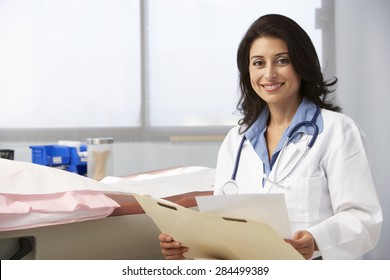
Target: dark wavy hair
x,y
303,57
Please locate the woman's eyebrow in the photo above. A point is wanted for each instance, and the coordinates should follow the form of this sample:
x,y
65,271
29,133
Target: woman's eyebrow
x,y
282,53
276,55
256,56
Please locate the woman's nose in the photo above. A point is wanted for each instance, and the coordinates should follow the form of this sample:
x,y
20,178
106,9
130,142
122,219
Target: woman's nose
x,y
270,73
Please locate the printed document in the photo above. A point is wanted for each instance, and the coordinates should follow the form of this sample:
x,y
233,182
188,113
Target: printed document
x,y
267,208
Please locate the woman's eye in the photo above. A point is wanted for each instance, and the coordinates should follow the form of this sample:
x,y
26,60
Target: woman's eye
x,y
282,61
258,63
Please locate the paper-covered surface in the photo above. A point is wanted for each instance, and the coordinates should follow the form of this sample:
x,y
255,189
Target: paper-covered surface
x,y
168,183
33,195
28,178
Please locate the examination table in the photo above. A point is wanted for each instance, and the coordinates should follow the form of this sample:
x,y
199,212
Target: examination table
x,y
128,233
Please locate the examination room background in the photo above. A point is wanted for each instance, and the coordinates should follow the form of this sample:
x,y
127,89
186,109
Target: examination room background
x,y
362,64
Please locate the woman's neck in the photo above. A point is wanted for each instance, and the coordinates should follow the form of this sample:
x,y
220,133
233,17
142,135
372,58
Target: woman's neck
x,y
280,116
279,119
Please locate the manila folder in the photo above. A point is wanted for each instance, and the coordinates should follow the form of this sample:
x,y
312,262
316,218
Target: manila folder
x,y
213,236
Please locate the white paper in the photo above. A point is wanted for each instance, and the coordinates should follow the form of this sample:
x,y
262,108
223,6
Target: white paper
x,y
267,208
169,183
17,177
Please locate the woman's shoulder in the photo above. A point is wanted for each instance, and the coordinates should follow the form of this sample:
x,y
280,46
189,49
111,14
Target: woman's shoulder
x,y
234,131
233,136
337,119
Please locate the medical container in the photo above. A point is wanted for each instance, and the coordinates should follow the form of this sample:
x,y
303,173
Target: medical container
x,y
70,158
100,157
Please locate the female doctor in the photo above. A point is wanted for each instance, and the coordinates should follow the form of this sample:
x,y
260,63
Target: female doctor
x,y
293,140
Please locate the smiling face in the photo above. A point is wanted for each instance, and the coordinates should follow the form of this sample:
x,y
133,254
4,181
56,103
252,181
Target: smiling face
x,y
272,75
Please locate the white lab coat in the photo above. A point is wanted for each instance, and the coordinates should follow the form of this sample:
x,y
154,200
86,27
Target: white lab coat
x,y
330,194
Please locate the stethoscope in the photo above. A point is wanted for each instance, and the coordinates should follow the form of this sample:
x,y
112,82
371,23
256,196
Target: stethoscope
x,y
231,187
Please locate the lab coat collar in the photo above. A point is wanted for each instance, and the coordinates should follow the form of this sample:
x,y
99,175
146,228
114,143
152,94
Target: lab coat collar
x,y
305,112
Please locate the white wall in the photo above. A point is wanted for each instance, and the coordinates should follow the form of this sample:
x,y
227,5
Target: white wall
x,y
363,69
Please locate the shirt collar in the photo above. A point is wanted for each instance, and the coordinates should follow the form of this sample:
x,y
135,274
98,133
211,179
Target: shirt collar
x,y
305,112
256,132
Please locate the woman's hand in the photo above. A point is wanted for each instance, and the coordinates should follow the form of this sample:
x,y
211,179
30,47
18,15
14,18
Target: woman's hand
x,y
303,241
171,249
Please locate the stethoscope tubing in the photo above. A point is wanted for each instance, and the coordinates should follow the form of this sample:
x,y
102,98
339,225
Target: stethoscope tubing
x,y
237,160
290,136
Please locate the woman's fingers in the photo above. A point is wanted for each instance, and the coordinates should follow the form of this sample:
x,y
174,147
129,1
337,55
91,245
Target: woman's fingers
x,y
171,249
303,242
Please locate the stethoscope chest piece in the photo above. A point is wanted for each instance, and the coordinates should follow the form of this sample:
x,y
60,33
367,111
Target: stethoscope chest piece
x,y
230,187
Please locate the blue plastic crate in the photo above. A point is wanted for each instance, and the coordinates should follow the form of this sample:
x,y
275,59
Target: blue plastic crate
x,y
50,155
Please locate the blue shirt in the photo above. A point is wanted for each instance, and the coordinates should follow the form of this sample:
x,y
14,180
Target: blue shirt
x,y
256,133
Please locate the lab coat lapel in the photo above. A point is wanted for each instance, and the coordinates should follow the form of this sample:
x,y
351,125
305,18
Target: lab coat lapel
x,y
286,161
281,169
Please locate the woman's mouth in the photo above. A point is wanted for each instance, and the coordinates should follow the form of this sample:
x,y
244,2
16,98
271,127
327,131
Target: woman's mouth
x,y
272,86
